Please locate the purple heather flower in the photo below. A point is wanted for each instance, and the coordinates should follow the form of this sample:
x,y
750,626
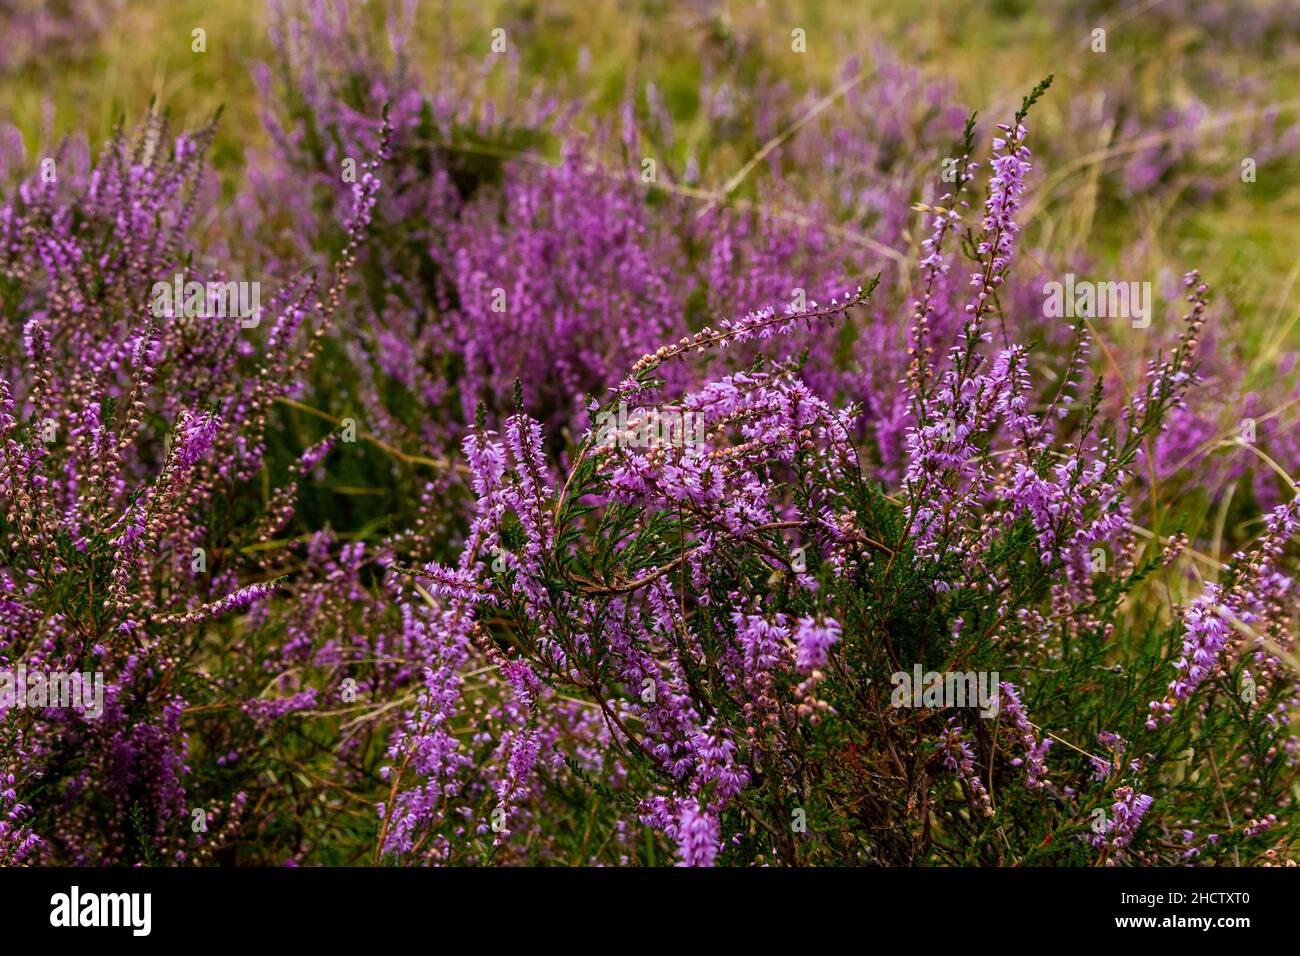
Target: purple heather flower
x,y
814,640
697,836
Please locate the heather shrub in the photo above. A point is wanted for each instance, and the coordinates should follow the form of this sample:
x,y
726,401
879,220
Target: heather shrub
x,y
133,427
528,241
739,611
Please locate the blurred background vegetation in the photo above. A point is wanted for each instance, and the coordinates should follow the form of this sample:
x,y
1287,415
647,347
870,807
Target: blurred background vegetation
x,y
1239,61
593,51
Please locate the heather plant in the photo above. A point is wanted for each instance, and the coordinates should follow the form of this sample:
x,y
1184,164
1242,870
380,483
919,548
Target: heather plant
x,y
610,244
158,546
131,432
736,615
